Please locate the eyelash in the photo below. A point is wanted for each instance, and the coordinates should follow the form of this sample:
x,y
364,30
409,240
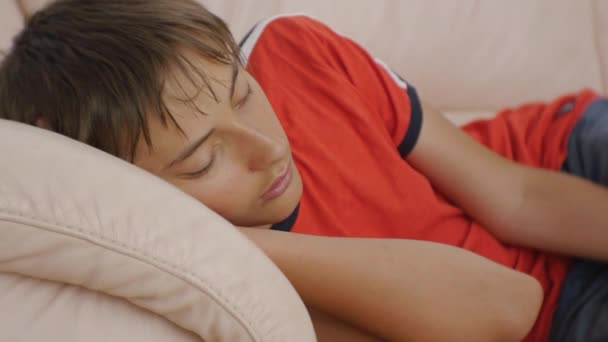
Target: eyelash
x,y
204,170
246,97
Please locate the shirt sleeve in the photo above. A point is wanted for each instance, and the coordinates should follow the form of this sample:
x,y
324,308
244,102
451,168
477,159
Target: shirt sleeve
x,y
389,95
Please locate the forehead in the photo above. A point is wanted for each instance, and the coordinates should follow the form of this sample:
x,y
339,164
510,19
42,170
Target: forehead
x,y
193,75
167,139
194,93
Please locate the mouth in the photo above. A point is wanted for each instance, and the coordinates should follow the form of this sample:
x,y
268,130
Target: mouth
x,y
280,184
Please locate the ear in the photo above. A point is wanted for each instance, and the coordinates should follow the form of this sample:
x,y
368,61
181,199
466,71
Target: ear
x,y
42,123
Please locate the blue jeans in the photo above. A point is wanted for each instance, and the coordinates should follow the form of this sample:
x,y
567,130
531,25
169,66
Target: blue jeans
x,y
582,313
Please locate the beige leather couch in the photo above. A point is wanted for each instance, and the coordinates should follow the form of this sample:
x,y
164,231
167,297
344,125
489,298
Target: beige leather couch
x,y
88,252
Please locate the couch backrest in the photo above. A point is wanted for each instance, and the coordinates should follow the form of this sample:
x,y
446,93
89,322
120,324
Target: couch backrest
x,y
11,21
467,54
466,57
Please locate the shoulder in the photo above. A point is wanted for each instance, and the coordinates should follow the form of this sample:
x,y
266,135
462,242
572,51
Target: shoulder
x,y
288,32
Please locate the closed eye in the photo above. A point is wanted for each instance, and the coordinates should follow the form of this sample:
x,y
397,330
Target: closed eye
x,y
246,97
201,172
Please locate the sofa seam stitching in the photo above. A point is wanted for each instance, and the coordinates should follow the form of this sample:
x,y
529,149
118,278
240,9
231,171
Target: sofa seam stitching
x,y
139,255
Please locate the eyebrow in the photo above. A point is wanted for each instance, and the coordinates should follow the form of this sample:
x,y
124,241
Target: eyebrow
x,y
189,151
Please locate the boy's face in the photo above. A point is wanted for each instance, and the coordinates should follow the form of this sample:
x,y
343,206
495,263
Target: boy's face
x,y
235,159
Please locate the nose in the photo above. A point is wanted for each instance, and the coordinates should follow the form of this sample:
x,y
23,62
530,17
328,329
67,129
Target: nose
x,y
258,150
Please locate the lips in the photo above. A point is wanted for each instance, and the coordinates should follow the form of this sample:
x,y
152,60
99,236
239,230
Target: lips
x,y
280,185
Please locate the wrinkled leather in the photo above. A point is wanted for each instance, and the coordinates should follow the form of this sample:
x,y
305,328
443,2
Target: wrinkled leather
x,y
72,215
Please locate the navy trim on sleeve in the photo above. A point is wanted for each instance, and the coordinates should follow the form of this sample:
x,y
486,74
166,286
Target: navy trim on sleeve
x,y
242,42
287,224
413,132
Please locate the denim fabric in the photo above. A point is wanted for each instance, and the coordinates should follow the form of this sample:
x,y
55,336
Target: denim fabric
x,y
582,313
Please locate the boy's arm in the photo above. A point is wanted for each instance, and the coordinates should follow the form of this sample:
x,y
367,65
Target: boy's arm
x,y
401,290
330,329
520,205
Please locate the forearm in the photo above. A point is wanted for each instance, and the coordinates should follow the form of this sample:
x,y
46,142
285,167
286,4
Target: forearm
x,y
406,290
485,185
565,214
330,329
532,207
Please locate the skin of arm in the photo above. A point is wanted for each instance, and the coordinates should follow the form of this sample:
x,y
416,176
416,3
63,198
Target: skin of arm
x,y
330,329
524,206
401,290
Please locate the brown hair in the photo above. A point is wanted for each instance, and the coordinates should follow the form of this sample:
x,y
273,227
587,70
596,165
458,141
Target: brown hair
x,y
95,69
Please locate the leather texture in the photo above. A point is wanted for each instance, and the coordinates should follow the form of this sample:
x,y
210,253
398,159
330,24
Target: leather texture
x,y
89,243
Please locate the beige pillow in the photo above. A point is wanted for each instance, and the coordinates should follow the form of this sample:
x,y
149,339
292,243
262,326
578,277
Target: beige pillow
x,y
91,245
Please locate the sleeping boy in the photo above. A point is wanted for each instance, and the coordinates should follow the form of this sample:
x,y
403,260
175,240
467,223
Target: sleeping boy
x,y
403,226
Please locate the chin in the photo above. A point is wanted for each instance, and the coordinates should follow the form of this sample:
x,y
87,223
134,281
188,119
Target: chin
x,y
263,218
272,213
279,211
290,203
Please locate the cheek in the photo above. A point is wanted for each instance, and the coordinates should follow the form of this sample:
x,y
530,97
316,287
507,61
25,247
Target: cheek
x,y
264,116
225,193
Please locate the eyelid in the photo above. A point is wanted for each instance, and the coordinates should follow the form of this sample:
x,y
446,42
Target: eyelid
x,y
246,97
202,171
214,154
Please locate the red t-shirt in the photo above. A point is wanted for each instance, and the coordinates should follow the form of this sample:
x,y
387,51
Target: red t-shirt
x,y
351,122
